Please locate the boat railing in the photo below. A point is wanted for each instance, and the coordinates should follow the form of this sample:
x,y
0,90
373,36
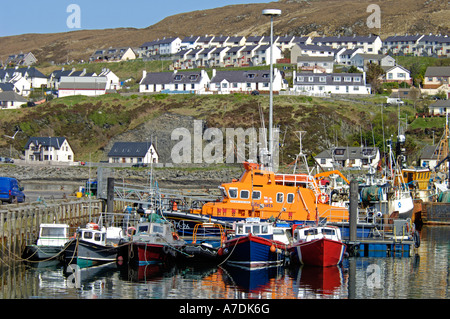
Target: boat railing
x,y
298,180
376,227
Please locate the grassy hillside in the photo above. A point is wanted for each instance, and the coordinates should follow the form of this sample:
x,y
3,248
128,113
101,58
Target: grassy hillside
x,y
90,124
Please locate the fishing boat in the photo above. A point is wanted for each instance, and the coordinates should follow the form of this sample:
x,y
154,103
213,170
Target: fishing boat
x,y
317,246
52,238
253,245
93,245
153,241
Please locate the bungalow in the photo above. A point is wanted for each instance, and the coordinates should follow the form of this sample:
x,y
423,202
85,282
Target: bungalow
x,y
82,85
226,82
21,59
440,107
396,74
355,157
133,153
53,149
11,100
437,79
174,82
330,83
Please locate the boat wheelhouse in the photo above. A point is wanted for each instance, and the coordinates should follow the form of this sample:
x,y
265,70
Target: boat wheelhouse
x,y
52,238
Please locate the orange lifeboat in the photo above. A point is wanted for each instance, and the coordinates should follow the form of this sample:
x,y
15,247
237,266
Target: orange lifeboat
x,y
264,194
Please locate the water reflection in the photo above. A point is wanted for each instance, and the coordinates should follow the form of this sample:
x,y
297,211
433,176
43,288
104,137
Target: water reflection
x,y
423,276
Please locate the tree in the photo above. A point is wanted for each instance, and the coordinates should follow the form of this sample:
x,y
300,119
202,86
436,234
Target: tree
x,y
374,72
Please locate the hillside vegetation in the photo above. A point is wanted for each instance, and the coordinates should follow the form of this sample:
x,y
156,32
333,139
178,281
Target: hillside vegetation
x,y
93,124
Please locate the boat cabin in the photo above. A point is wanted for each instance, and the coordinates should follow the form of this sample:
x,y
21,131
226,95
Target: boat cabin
x,y
53,235
156,232
255,227
93,234
308,233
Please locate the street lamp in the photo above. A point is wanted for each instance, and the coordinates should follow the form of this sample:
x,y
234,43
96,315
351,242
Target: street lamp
x,y
271,13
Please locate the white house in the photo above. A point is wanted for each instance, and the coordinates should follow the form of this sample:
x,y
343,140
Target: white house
x,y
11,100
189,42
356,157
437,79
311,50
401,44
440,107
53,149
262,56
174,82
239,81
112,80
133,153
330,83
164,46
397,74
82,85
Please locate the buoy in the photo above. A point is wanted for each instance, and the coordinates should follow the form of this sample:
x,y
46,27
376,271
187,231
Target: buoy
x,y
272,248
220,251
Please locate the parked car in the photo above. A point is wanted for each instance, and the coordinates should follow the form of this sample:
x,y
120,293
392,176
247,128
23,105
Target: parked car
x,y
255,92
6,160
10,190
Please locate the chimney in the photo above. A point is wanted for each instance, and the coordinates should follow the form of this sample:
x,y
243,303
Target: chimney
x,y
144,74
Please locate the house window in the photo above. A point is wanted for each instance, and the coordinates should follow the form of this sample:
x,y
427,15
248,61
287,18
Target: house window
x,y
347,78
356,79
322,79
300,79
337,78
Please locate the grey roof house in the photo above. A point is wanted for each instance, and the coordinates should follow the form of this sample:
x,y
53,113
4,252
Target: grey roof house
x,y
174,82
51,149
133,153
355,157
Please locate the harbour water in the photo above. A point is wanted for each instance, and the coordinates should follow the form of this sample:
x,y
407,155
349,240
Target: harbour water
x,y
423,276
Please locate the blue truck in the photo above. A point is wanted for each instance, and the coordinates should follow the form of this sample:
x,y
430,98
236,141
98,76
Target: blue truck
x,y
10,190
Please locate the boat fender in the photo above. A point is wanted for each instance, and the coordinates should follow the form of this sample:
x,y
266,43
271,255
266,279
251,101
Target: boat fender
x,y
175,236
220,251
272,248
323,198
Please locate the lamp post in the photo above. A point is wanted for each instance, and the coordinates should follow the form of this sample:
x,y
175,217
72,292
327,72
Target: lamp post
x,y
271,13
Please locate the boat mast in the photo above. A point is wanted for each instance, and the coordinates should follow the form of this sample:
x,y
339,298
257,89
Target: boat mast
x,y
271,13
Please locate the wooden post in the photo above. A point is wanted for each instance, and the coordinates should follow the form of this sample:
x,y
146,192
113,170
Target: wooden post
x,y
353,210
110,195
